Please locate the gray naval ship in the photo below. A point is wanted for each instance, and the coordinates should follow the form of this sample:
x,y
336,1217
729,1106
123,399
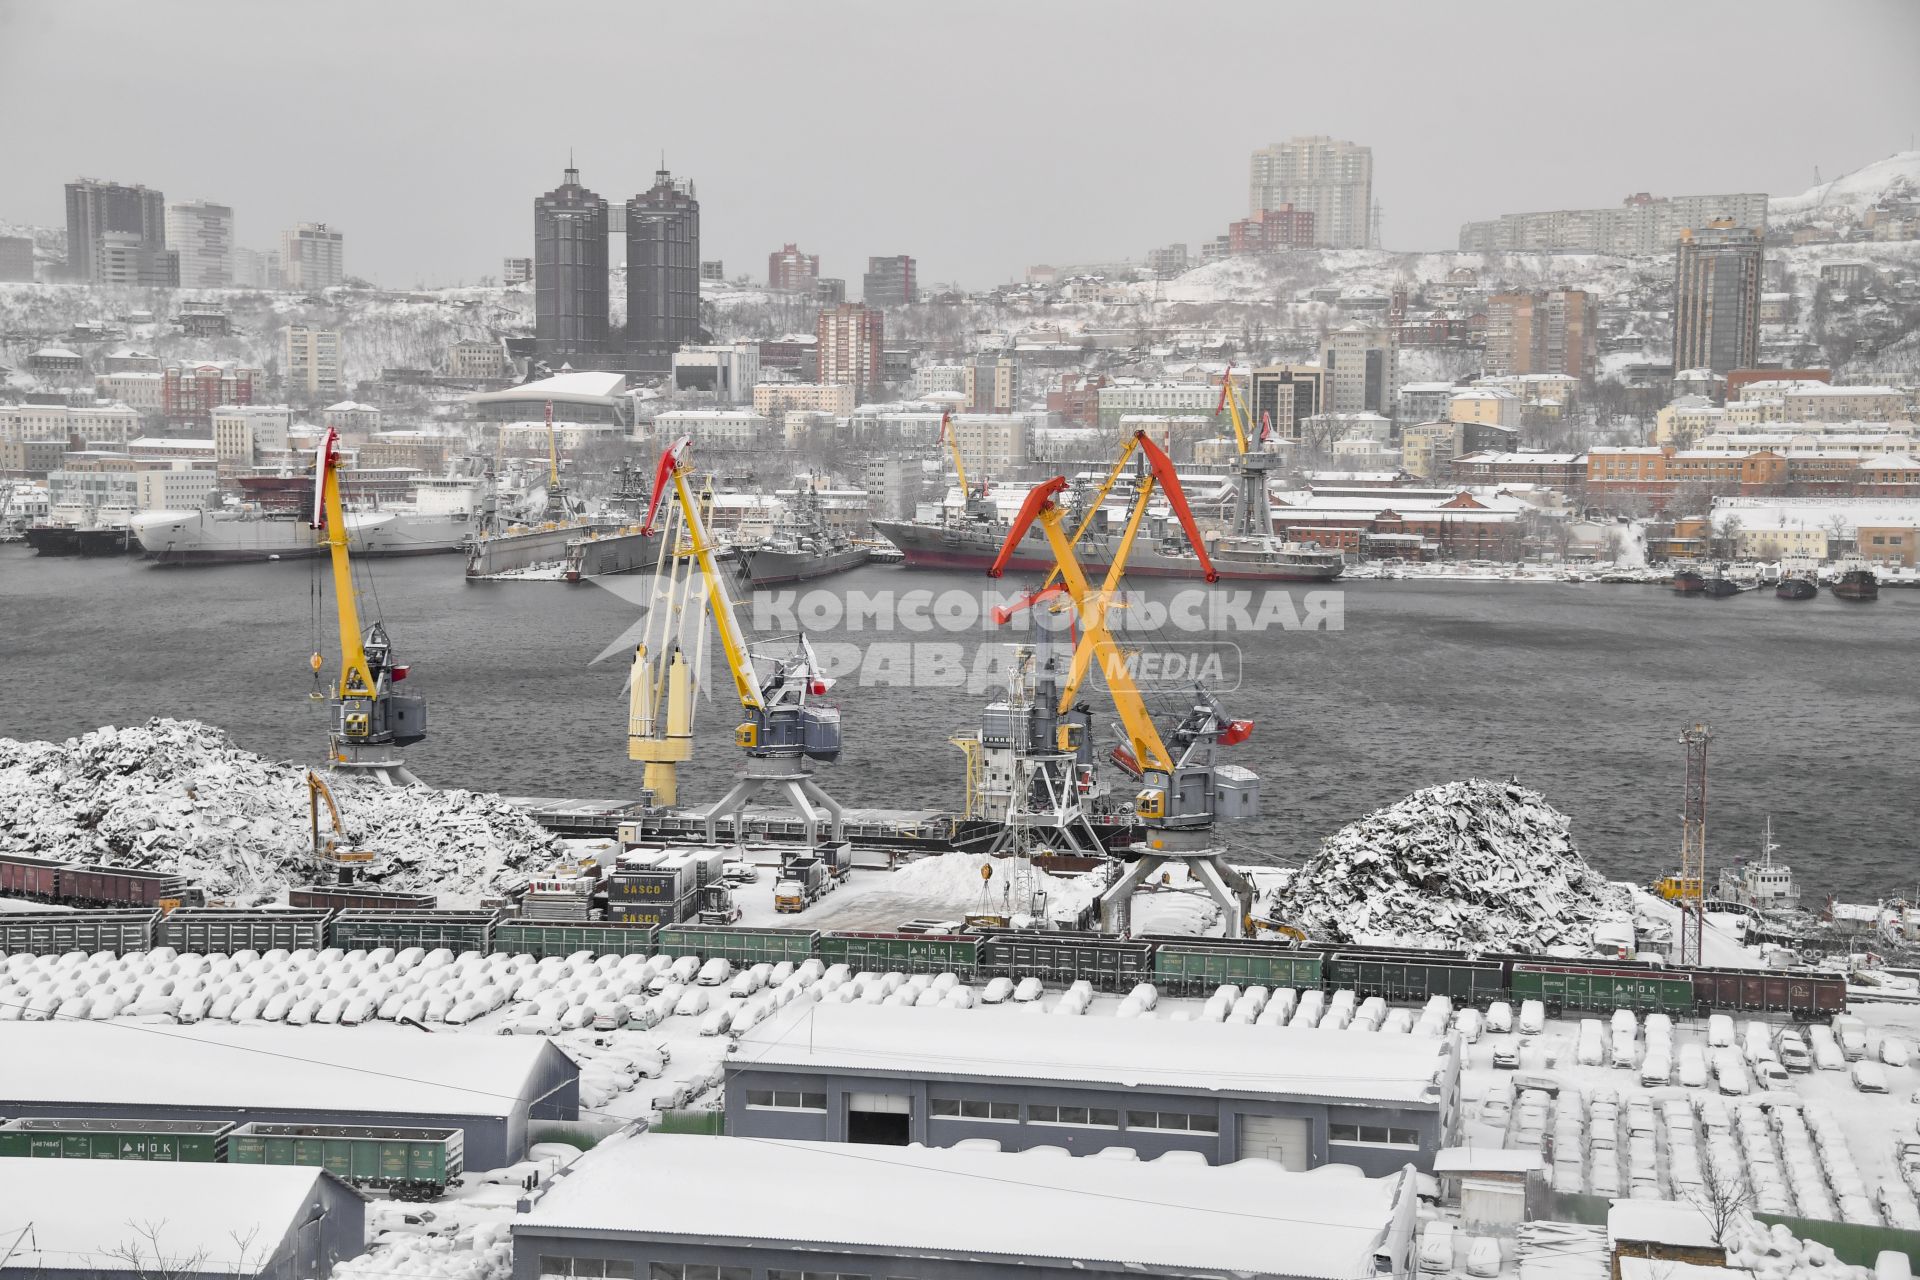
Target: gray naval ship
x,y
802,546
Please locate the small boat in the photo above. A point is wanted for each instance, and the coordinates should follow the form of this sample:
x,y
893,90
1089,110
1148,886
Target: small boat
x,y
1856,582
1689,581
1799,581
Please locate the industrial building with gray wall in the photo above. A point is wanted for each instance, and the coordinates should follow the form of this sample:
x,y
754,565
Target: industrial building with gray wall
x,y
495,1089
1304,1098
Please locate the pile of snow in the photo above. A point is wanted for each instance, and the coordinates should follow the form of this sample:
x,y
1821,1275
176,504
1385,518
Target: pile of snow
x,y
484,1253
178,796
954,879
1775,1253
1485,865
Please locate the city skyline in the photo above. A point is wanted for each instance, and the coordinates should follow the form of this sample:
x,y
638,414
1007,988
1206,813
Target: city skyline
x,y
395,181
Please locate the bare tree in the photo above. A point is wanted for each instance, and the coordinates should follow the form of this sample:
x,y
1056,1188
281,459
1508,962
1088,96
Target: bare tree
x,y
1722,1198
145,1259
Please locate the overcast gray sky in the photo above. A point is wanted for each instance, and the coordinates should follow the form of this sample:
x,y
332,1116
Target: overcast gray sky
x,y
979,137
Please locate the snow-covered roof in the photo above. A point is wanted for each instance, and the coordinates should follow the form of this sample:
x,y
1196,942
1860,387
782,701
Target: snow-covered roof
x,y
1811,388
1251,1216
1522,458
82,1211
1485,1160
385,1069
1203,1057
1428,387
1660,1221
1758,514
350,406
55,353
566,388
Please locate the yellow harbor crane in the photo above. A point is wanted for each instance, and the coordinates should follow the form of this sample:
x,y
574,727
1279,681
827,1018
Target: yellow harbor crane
x,y
368,718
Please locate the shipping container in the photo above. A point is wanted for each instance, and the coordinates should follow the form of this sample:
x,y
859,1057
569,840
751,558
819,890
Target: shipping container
x,y
742,946
1108,963
422,1161
904,952
208,930
649,886
22,876
1187,966
353,897
454,930
54,932
1397,974
52,1137
648,915
535,938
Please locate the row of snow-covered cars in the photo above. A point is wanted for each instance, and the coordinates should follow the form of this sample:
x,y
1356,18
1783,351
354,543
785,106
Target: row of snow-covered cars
x,y
1762,1055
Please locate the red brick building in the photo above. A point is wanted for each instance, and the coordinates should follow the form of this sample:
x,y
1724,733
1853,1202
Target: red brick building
x,y
191,392
792,270
1741,377
1893,476
1425,524
1566,472
1078,399
1271,231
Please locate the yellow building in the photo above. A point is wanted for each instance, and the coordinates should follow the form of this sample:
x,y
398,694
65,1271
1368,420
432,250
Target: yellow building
x,y
1491,405
1686,421
1778,543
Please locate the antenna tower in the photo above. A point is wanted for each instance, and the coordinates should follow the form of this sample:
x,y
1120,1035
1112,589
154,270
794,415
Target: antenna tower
x,y
1693,846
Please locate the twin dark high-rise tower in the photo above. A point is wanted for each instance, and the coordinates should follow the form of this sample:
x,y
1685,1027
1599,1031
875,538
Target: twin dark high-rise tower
x,y
570,277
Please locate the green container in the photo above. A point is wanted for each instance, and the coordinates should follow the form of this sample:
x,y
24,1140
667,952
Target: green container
x,y
172,1141
358,929
742,946
57,932
1403,977
1602,991
522,937
1190,967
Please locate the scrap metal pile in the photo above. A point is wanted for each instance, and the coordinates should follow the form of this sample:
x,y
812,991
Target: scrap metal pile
x,y
179,796
1476,864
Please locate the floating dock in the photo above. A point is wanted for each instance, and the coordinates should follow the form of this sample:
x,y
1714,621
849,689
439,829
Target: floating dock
x,y
506,552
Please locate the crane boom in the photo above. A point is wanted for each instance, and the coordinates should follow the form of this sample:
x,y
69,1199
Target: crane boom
x,y
356,677
1230,401
952,439
673,471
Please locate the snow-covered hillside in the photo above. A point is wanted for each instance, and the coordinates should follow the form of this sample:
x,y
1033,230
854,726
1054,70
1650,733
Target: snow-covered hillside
x,y
1896,177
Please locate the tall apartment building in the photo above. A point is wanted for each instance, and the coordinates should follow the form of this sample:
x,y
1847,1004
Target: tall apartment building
x,y
790,269
312,363
313,256
1555,331
516,270
1716,298
1286,395
117,234
569,269
663,272
1167,260
848,340
1640,224
1329,178
889,282
1360,371
257,270
201,232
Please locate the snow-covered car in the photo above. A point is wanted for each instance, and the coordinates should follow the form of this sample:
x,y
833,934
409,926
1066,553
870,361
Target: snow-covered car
x,y
1894,1051
1027,990
717,1022
739,873
1533,1017
1868,1077
1436,1247
692,1004
1506,1056
1719,1031
1499,1017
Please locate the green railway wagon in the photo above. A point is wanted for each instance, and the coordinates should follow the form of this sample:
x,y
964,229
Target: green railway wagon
x,y
905,952
54,933
455,930
1409,976
542,938
1110,964
1600,989
405,1161
211,929
1192,966
58,1138
742,946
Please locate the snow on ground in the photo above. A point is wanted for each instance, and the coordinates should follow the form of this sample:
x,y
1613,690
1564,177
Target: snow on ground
x,y
1479,864
945,886
177,795
1854,191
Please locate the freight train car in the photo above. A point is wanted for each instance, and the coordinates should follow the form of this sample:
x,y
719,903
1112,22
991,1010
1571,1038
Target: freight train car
x,y
98,886
210,929
1194,966
744,947
56,932
1601,988
1108,963
454,930
1413,976
1804,996
906,952
355,898
22,876
63,1138
542,938
414,1164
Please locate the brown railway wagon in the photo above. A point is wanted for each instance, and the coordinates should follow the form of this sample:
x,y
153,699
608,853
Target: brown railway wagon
x,y
125,887
1759,991
22,876
346,897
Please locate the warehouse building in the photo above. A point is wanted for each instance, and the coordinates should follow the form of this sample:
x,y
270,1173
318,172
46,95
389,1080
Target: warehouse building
x,y
492,1087
180,1221
754,1210
873,1074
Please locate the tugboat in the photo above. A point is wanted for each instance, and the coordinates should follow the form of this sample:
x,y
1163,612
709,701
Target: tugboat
x,y
1718,585
1798,582
1689,581
1856,582
1763,890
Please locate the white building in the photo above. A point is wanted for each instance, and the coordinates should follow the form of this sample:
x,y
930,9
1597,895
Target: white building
x,y
179,488
349,415
1361,370
729,372
715,428
241,431
777,398
313,362
201,232
111,424
135,388
312,257
994,441
1333,179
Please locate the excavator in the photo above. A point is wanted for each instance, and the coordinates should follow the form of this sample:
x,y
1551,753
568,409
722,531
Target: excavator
x,y
1182,787
331,853
783,727
368,716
